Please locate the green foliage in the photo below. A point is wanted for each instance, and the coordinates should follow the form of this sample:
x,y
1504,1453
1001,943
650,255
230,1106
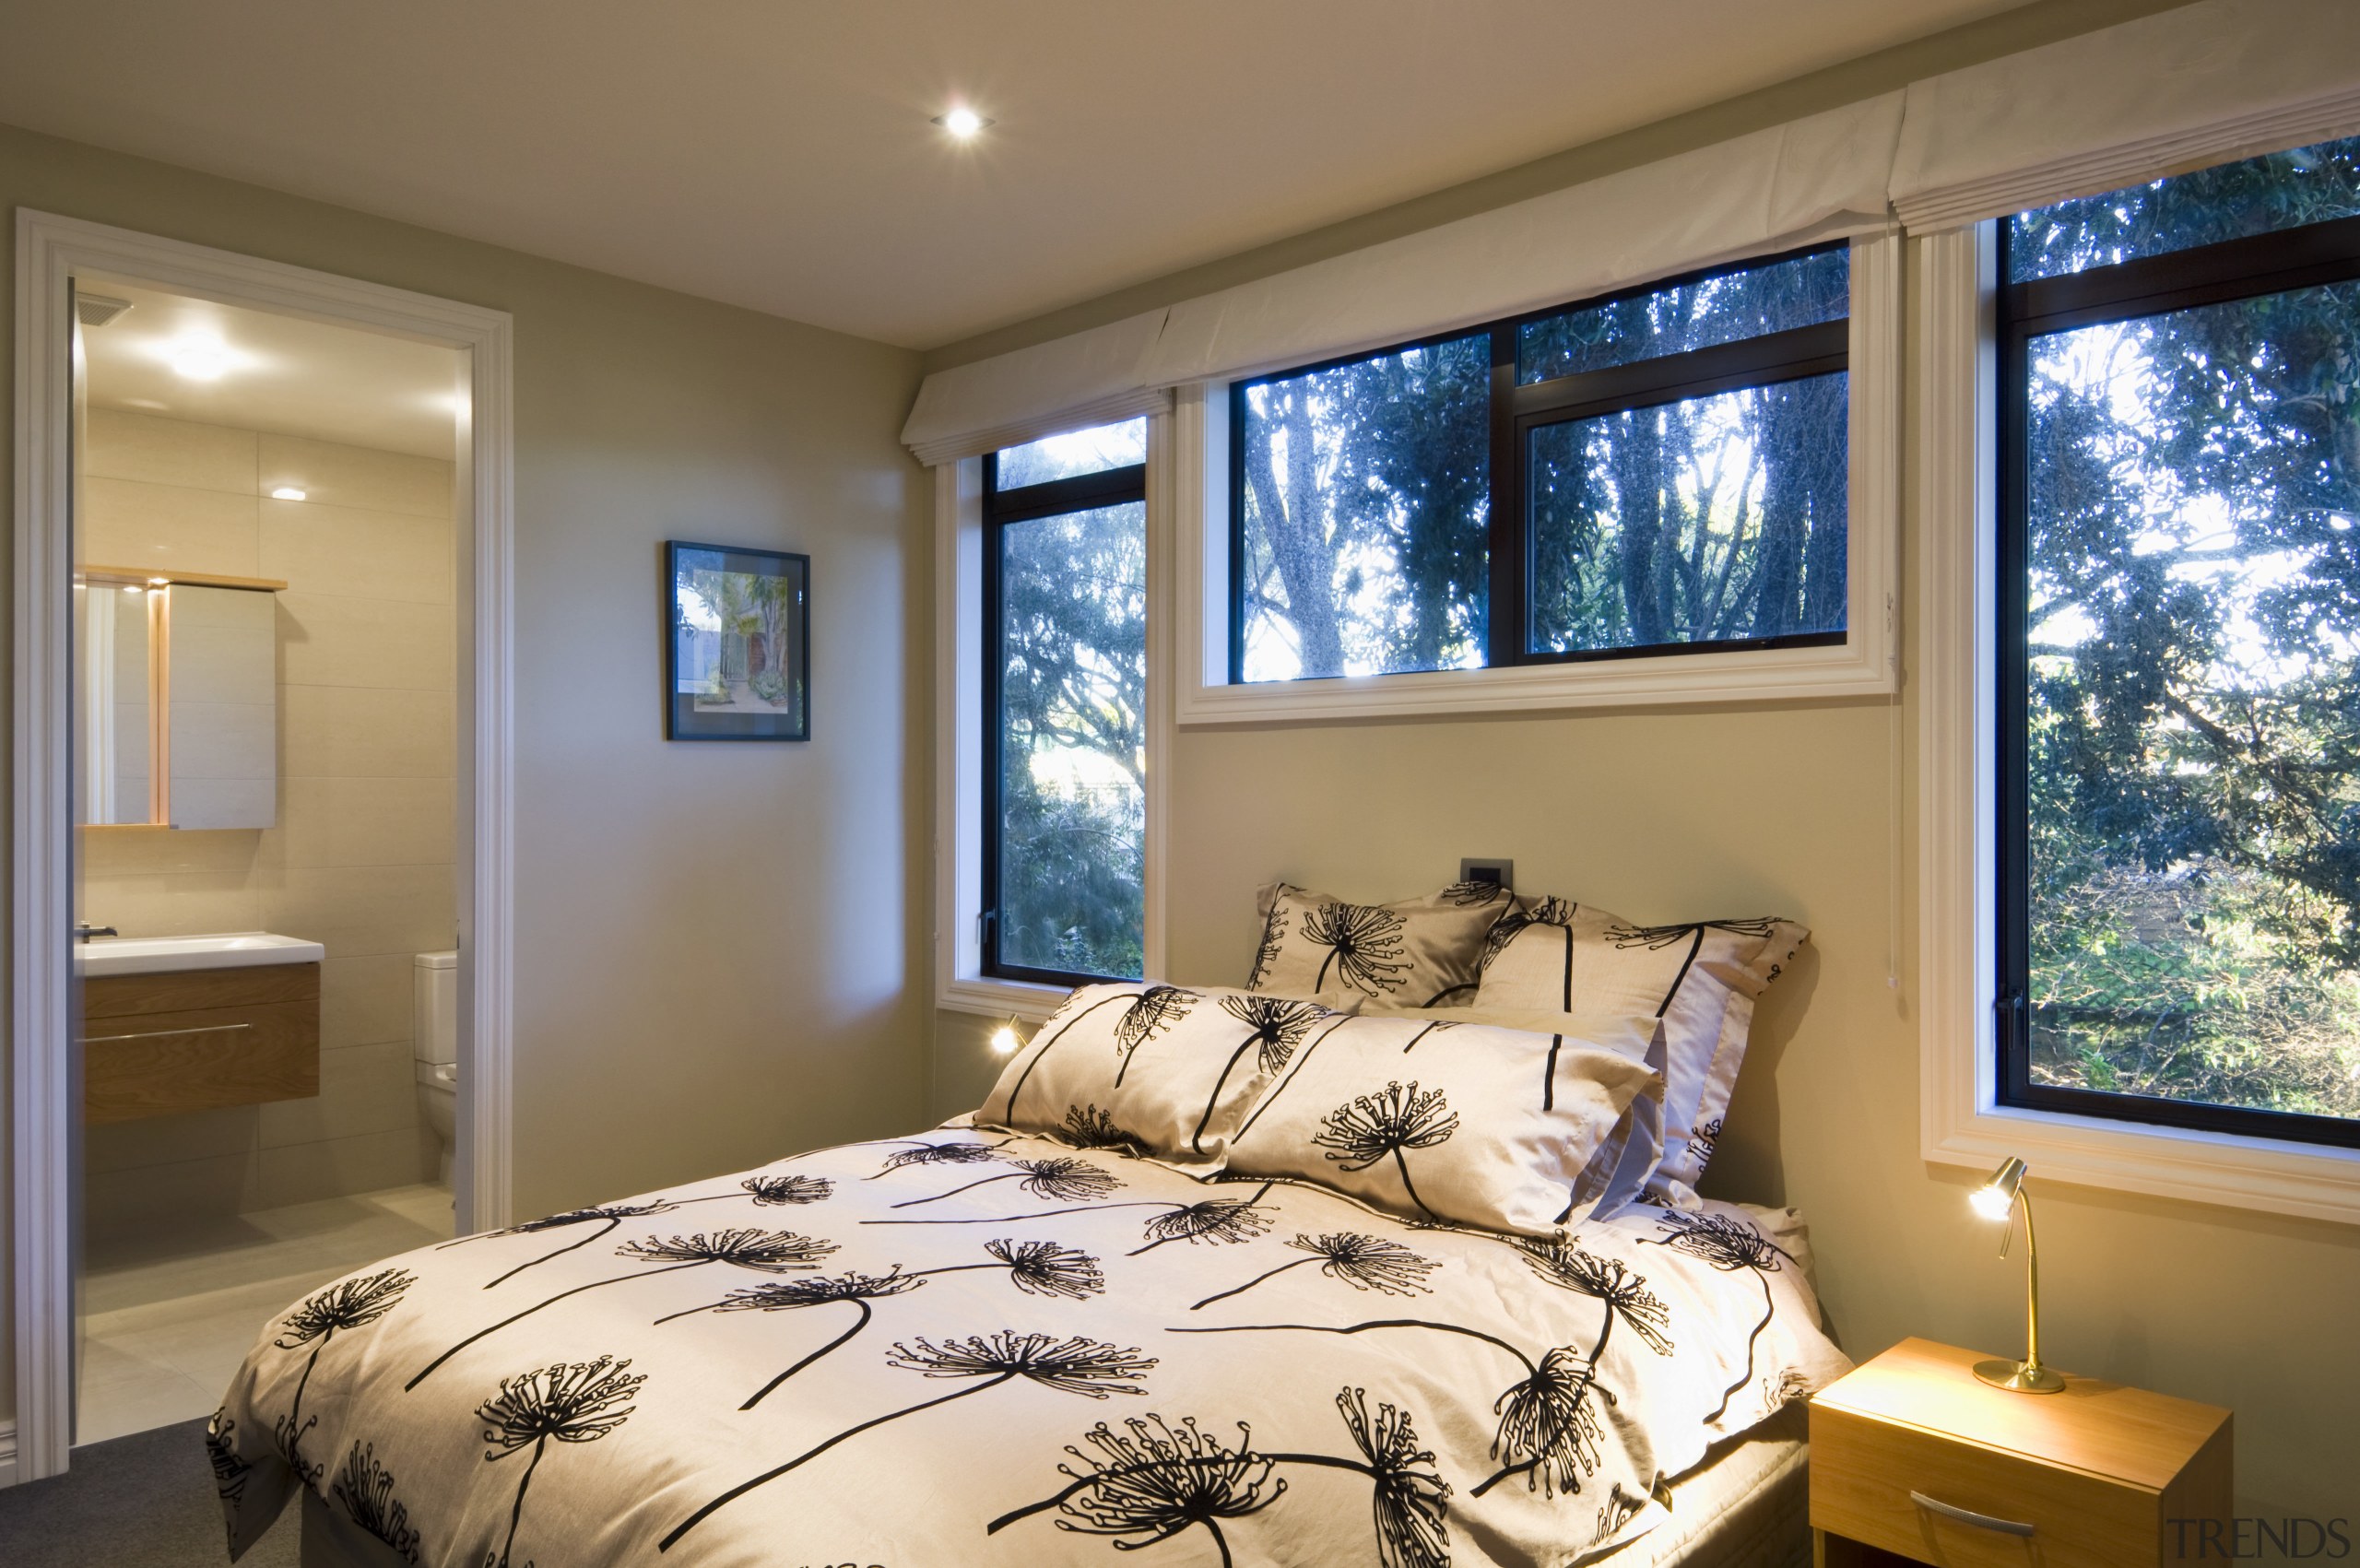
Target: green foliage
x,y
1072,784
1368,510
2194,742
1367,491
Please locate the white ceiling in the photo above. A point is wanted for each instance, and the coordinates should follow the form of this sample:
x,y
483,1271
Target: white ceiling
x,y
278,374
777,154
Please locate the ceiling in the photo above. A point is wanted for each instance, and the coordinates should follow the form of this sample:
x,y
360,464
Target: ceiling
x,y
270,372
777,154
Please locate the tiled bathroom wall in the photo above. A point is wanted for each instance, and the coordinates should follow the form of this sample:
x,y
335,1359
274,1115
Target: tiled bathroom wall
x,y
360,857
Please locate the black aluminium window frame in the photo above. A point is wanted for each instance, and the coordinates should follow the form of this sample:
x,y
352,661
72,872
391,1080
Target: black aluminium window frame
x,y
2206,274
1517,409
1081,492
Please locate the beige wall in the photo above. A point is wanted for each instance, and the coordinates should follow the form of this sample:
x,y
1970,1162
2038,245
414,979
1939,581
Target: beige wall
x,y
360,855
717,946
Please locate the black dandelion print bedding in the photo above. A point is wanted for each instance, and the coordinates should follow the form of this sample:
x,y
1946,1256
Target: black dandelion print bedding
x,y
994,1349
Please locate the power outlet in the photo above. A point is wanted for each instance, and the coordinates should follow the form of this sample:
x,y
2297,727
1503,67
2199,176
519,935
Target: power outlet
x,y
1501,873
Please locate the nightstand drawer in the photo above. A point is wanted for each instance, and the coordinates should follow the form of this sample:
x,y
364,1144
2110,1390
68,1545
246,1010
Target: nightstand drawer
x,y
1863,1472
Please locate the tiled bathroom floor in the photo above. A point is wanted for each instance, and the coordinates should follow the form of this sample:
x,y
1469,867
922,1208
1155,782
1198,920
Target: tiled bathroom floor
x,y
171,1311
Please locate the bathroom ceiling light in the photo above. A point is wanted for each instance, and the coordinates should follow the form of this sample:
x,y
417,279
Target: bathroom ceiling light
x,y
131,588
287,492
963,122
199,358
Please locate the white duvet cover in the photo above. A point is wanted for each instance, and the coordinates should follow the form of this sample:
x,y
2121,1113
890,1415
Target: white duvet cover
x,y
970,1347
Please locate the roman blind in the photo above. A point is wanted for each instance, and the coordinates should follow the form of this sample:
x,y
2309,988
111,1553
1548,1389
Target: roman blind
x,y
1089,378
1818,178
2204,84
2201,84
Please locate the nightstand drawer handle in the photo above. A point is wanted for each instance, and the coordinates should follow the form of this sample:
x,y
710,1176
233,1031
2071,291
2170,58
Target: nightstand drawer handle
x,y
1969,1516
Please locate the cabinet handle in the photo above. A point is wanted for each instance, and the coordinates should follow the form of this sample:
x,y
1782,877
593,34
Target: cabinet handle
x,y
160,1033
1969,1516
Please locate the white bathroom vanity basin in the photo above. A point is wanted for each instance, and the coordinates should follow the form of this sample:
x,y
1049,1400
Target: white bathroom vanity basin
x,y
106,956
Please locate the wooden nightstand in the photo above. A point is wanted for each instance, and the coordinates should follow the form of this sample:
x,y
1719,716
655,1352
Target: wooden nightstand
x,y
1912,1458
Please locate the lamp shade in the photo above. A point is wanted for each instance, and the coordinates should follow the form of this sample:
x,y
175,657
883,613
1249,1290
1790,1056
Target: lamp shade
x,y
1995,1198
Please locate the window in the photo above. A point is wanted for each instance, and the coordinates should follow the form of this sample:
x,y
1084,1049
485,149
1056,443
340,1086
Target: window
x,y
2178,645
1065,700
1663,470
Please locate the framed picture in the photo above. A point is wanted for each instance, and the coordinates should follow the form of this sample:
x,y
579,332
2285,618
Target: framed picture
x,y
737,664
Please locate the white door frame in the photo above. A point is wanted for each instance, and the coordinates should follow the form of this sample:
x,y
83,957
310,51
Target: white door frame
x,y
50,252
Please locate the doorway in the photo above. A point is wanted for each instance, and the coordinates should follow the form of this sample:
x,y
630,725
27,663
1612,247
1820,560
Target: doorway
x,y
263,782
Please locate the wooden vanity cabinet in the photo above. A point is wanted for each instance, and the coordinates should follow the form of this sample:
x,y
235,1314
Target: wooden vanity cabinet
x,y
199,1039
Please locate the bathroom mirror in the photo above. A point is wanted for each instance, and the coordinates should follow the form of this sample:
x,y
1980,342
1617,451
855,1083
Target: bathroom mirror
x,y
114,677
178,689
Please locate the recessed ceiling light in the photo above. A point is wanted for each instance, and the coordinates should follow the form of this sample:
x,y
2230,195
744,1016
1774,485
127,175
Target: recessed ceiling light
x,y
287,492
198,359
131,587
963,122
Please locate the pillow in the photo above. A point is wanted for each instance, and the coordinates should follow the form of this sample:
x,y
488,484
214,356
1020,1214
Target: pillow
x,y
1164,1070
1617,1174
1699,979
1432,1119
1420,951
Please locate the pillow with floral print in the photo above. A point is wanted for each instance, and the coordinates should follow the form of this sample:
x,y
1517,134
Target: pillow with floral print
x,y
1452,1122
1420,952
1141,1068
1617,1174
1699,979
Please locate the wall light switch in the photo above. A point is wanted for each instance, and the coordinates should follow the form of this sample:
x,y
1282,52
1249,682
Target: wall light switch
x,y
1499,872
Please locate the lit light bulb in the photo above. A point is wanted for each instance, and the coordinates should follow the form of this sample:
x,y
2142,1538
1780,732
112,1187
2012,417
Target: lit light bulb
x,y
287,492
198,359
963,122
1991,1203
1004,1040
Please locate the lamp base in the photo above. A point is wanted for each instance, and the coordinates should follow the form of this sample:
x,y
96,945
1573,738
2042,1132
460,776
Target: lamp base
x,y
2018,1377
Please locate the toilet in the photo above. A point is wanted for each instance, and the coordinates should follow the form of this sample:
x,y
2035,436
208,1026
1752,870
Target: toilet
x,y
434,1034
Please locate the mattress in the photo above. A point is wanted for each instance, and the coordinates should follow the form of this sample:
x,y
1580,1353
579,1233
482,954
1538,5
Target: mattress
x,y
1748,1505
987,1349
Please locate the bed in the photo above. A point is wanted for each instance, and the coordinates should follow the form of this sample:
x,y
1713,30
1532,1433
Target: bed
x,y
993,1347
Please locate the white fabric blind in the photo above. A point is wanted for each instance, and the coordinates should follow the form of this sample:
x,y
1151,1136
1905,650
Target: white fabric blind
x,y
1818,178
1091,378
2203,84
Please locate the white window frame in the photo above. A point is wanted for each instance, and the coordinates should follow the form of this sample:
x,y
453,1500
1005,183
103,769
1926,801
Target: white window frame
x,y
1961,1121
960,984
1867,664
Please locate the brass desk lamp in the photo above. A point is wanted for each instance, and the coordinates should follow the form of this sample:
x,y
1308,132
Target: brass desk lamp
x,y
1998,1200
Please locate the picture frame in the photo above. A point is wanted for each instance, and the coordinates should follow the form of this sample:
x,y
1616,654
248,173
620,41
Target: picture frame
x,y
737,642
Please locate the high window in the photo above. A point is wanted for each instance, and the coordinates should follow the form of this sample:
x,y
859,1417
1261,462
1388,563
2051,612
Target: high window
x,y
1662,470
1064,702
2179,651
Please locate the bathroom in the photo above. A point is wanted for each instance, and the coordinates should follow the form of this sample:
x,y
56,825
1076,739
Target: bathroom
x,y
267,651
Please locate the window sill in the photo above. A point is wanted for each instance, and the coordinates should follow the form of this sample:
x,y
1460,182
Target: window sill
x,y
2175,1162
1862,667
1018,999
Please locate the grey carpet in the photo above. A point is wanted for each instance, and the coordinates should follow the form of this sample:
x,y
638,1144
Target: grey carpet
x,y
144,1501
